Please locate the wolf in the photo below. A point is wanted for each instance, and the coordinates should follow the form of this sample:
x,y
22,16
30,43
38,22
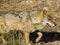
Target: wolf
x,y
25,23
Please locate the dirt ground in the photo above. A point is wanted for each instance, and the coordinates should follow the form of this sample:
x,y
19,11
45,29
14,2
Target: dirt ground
x,y
33,6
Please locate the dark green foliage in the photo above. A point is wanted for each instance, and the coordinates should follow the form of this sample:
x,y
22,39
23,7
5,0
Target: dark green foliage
x,y
14,37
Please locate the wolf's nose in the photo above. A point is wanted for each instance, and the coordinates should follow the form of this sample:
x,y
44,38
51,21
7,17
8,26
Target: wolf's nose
x,y
55,24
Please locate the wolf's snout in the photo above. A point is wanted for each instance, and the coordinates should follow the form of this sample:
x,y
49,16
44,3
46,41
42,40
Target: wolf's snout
x,y
51,24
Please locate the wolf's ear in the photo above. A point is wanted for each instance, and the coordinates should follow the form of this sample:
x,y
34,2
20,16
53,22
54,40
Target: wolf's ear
x,y
39,36
46,10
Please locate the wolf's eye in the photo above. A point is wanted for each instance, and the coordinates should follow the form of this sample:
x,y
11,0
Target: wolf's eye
x,y
50,17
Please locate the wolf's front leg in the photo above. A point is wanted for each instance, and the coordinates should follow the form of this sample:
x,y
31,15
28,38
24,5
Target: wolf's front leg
x,y
27,39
